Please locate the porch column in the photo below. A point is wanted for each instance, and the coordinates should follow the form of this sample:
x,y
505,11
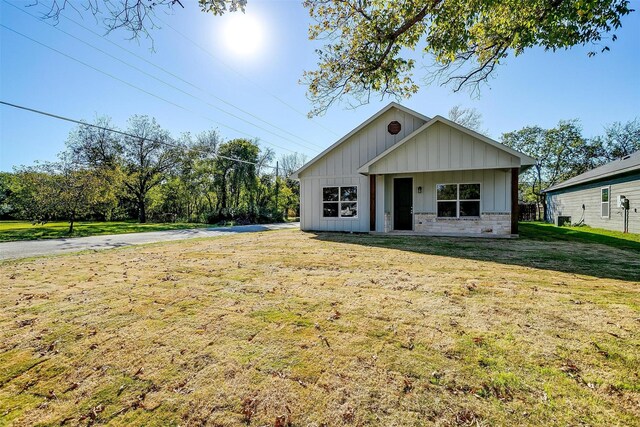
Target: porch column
x,y
372,203
514,200
380,203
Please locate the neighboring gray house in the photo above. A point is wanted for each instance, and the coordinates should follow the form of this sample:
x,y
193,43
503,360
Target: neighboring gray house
x,y
594,196
401,171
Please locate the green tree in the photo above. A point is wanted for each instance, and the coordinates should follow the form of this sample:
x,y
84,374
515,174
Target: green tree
x,y
289,164
561,153
62,189
7,208
98,148
367,42
235,174
148,155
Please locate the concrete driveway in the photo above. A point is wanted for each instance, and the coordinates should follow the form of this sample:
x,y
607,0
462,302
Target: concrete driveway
x,y
30,248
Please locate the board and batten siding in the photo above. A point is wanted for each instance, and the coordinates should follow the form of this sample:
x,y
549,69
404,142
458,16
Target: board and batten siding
x,y
339,167
568,202
441,147
495,189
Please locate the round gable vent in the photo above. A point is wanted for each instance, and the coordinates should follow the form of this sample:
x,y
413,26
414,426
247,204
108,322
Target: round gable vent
x,y
394,127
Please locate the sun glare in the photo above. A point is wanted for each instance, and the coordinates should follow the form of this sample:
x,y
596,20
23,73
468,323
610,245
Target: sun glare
x,y
243,35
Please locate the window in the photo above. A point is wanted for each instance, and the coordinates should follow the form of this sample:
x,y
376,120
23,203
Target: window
x,y
458,200
340,202
604,202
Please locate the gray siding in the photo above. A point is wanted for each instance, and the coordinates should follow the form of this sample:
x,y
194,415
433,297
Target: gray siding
x,y
441,147
340,167
569,203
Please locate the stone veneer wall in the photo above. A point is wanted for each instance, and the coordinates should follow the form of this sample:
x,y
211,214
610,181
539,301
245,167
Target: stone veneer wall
x,y
488,223
387,222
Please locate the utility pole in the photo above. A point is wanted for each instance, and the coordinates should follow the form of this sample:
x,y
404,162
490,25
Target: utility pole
x,y
277,188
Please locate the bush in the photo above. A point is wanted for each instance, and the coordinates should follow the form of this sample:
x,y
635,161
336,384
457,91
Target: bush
x,y
242,217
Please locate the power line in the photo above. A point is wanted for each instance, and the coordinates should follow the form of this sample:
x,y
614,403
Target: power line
x,y
277,98
138,88
168,144
306,144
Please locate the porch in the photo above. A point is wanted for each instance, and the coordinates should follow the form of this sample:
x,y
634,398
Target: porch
x,y
459,203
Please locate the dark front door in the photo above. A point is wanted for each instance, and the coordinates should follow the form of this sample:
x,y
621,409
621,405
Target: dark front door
x,y
403,204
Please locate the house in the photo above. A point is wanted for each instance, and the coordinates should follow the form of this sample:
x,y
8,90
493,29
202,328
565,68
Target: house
x,y
596,198
403,172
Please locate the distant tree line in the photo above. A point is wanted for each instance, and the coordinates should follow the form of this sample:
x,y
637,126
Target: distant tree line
x,y
144,173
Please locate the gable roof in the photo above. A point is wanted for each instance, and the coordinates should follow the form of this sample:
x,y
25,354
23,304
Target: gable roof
x,y
524,159
626,164
391,105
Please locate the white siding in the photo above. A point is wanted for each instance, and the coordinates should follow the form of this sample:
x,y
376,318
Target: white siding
x,y
495,191
340,167
440,148
311,204
570,204
345,159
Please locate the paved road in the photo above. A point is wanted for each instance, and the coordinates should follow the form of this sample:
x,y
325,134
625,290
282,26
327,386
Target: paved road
x,y
30,248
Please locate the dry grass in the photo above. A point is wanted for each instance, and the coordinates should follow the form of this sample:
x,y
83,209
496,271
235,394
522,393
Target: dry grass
x,y
294,329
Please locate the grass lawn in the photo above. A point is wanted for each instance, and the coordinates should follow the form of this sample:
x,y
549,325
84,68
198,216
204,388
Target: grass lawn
x,y
300,329
549,232
24,230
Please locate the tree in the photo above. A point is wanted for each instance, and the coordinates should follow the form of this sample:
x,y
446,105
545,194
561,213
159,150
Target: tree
x,y
235,172
147,157
467,117
188,192
136,16
7,209
62,189
561,153
289,164
621,139
366,42
96,146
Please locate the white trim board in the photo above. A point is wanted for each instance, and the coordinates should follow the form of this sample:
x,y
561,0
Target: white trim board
x,y
524,159
391,105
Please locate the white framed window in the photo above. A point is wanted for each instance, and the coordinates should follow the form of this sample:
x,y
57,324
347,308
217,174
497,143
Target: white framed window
x,y
605,202
458,200
340,201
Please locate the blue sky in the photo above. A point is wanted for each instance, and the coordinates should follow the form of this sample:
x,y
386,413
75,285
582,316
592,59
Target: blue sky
x,y
537,88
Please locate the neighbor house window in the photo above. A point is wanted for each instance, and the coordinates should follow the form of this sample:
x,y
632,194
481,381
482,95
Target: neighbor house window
x,y
340,202
604,202
458,200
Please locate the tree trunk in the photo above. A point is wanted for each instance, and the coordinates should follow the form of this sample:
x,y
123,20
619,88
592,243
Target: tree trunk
x,y
71,220
142,210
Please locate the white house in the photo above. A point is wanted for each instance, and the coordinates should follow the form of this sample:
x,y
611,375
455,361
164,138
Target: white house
x,y
401,171
597,197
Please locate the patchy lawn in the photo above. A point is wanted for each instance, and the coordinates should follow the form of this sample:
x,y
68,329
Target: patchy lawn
x,y
24,230
290,328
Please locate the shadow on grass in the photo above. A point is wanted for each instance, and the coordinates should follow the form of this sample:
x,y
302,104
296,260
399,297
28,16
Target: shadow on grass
x,y
540,246
549,233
